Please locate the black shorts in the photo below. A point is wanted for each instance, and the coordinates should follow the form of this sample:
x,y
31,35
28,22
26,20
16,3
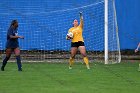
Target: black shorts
x,y
77,44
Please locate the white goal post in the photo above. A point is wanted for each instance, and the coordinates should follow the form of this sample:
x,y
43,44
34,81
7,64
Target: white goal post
x,y
106,3
106,30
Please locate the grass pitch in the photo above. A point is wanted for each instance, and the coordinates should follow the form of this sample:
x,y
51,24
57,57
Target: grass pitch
x,y
57,78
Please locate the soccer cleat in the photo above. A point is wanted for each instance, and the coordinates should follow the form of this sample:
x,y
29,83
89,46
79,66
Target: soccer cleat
x,y
20,69
88,67
70,67
2,68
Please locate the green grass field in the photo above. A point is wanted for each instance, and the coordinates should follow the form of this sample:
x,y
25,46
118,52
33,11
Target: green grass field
x,y
57,78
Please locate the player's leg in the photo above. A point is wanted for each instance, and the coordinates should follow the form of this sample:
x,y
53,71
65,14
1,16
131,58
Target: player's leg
x,y
83,52
17,53
8,54
73,53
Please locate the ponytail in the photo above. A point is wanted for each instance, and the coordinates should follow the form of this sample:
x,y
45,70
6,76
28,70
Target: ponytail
x,y
13,22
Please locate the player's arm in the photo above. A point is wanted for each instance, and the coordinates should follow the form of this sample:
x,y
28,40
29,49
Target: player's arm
x,y
137,49
14,37
81,19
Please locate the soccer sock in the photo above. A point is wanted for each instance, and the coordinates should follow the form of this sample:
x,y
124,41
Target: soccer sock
x,y
86,62
71,61
5,61
19,62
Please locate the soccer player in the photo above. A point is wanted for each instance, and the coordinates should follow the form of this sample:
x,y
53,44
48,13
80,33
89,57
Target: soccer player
x,y
137,49
12,45
77,42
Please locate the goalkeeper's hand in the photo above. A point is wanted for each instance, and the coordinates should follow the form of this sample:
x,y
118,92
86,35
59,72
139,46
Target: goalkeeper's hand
x,y
68,37
81,15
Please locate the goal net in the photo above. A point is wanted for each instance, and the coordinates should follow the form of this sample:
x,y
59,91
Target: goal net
x,y
45,32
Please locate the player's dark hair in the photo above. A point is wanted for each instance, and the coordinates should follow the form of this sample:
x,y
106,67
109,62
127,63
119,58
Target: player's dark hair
x,y
13,22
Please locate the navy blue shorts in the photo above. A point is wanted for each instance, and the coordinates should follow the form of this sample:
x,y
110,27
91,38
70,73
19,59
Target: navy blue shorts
x,y
12,44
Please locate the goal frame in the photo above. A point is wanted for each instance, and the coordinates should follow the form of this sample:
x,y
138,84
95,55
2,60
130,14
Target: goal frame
x,y
106,53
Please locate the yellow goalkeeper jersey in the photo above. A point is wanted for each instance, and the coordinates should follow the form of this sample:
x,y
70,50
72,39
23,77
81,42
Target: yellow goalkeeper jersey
x,y
77,33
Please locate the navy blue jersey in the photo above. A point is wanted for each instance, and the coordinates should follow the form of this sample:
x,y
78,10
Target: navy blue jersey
x,y
12,42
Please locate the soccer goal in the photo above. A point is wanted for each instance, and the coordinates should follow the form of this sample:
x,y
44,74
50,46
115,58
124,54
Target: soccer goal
x,y
45,31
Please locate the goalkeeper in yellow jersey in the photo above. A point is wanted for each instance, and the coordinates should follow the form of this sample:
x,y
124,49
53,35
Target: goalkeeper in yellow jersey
x,y
77,41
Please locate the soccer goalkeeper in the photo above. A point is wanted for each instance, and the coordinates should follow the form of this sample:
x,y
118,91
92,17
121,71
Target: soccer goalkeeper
x,y
77,42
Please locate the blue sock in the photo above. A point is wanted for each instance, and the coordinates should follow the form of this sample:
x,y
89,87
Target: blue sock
x,y
19,62
5,61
